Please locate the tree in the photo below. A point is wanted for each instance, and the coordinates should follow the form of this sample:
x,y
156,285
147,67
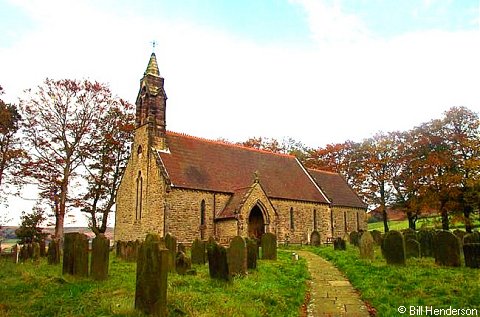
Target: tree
x,y
11,154
106,163
29,230
61,117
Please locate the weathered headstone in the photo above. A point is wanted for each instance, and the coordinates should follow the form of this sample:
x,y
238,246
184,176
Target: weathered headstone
x,y
252,253
315,238
75,254
339,244
426,239
43,251
181,248
377,237
171,244
23,253
217,261
354,238
53,254
120,249
473,237
131,251
393,248
366,245
100,258
29,250
15,253
36,252
237,257
183,264
198,252
269,246
409,234
152,272
412,248
460,234
447,249
471,252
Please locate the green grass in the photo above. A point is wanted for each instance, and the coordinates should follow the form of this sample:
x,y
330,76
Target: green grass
x,y
276,288
427,222
419,283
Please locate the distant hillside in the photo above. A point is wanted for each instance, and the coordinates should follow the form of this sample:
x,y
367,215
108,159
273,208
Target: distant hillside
x,y
8,232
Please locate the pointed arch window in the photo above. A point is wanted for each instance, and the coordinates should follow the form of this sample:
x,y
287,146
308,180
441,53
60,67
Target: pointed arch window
x,y
292,220
138,199
202,213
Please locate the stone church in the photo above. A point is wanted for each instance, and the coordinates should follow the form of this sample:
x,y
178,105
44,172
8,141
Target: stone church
x,y
197,188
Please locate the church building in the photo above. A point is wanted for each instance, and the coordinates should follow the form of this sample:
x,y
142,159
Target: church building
x,y
193,188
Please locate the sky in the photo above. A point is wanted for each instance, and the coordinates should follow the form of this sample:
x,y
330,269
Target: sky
x,y
317,71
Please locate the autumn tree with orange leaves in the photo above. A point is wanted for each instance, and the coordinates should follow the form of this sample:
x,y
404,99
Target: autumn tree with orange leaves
x,y
62,118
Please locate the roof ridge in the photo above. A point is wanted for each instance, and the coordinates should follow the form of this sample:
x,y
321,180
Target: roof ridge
x,y
324,171
231,144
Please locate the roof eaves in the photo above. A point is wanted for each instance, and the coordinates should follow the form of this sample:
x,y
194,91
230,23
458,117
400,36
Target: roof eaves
x,y
313,181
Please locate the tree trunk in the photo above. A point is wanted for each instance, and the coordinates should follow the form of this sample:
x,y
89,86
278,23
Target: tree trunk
x,y
468,222
412,220
385,219
444,212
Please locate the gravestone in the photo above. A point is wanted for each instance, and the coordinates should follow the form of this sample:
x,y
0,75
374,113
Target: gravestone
x,y
181,248
471,253
393,248
217,261
198,252
412,248
15,253
100,258
29,250
119,249
315,238
152,272
447,249
75,254
53,254
43,251
23,253
471,238
426,239
409,234
339,244
183,264
36,252
130,251
460,234
171,245
377,237
366,245
354,238
252,253
237,257
269,246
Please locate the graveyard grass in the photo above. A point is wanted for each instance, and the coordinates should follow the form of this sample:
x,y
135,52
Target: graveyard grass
x,y
419,283
275,288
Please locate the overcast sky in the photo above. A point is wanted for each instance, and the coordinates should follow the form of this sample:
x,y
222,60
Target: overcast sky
x,y
315,70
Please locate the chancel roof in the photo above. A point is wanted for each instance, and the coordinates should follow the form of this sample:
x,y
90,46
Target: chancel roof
x,y
337,189
200,164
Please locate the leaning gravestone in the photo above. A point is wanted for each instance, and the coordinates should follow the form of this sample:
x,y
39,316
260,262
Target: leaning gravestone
x,y
393,248
171,244
471,252
100,258
183,264
366,245
471,238
152,272
198,252
269,246
237,257
75,254
217,261
447,249
315,238
252,253
53,254
339,244
426,239
412,248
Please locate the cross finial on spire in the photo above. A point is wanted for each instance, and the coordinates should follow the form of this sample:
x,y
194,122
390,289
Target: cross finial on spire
x,y
154,43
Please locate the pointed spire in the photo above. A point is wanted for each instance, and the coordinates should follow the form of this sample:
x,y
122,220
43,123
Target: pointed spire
x,y
152,68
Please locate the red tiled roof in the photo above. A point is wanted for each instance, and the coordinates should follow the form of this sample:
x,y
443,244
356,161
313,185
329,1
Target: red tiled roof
x,y
201,164
337,189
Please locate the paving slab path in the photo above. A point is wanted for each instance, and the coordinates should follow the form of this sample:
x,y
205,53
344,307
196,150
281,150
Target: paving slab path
x,y
331,294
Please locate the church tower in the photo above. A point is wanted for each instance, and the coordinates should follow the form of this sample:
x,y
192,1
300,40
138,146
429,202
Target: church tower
x,y
151,104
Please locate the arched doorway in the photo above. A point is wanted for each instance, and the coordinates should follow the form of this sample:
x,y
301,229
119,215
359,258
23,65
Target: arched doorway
x,y
256,223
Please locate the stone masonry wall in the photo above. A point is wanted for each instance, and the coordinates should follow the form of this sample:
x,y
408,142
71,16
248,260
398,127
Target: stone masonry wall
x,y
303,214
355,219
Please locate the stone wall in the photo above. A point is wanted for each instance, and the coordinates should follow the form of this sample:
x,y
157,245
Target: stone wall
x,y
354,219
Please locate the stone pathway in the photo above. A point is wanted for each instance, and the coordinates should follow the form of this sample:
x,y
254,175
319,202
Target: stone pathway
x,y
331,292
